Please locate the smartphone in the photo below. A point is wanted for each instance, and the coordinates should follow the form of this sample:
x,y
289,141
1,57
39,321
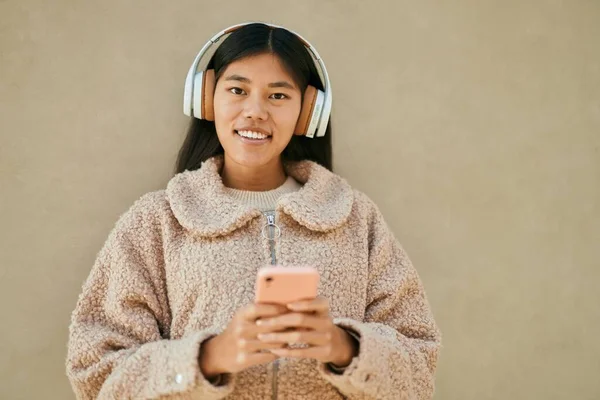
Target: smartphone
x,y
284,285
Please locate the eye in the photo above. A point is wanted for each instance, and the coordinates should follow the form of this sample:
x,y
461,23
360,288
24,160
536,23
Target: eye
x,y
282,96
236,90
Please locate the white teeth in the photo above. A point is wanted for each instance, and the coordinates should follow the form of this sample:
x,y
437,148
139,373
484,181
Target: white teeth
x,y
252,135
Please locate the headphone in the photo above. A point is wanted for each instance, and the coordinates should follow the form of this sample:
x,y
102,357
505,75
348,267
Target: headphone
x,y
200,87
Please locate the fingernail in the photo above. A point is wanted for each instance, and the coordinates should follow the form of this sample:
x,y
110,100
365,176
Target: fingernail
x,y
264,337
260,322
294,306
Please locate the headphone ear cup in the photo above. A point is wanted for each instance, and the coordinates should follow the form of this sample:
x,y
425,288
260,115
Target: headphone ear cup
x,y
306,112
187,95
198,95
204,91
208,93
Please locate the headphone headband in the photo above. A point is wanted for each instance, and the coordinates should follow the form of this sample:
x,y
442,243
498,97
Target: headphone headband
x,y
208,50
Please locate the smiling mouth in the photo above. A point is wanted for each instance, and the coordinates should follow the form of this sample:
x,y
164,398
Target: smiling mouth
x,y
252,136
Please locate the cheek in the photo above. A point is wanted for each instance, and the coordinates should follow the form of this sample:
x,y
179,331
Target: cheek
x,y
225,114
288,116
223,111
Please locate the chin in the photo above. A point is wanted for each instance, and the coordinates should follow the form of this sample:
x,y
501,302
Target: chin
x,y
251,160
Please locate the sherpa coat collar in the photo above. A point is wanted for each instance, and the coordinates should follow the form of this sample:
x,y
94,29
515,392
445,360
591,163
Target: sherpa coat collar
x,y
324,203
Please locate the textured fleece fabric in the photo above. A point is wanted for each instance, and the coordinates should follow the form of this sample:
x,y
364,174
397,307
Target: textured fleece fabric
x,y
264,201
181,261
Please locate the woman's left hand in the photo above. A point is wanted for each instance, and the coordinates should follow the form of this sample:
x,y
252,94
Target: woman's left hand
x,y
309,322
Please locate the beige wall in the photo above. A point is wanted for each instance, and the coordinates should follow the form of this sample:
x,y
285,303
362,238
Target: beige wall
x,y
475,125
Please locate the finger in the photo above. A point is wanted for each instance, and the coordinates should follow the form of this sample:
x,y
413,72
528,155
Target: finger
x,y
319,305
253,312
255,345
317,352
295,320
312,338
249,359
250,330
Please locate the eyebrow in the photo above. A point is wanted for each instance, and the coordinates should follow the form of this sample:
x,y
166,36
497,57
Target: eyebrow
x,y
279,84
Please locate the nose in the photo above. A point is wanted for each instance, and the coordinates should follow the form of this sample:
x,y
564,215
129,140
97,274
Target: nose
x,y
255,108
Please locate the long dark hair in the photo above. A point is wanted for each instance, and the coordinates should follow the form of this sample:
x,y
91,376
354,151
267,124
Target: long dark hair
x,y
202,143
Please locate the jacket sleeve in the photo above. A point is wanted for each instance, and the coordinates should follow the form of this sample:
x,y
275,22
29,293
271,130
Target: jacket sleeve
x,y
399,340
119,345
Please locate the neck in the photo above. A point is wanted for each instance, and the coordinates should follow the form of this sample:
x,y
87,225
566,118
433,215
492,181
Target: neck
x,y
255,179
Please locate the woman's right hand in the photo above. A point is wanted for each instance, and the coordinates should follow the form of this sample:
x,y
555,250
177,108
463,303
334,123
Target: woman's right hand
x,y
238,347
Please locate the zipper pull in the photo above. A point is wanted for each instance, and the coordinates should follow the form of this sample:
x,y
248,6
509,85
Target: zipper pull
x,y
274,231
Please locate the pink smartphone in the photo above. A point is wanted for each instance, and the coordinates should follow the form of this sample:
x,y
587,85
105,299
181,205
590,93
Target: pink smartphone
x,y
284,285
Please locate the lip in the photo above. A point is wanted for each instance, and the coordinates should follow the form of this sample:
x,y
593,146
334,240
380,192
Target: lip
x,y
253,142
253,129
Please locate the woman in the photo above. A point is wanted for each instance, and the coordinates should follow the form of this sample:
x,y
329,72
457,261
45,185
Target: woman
x,y
167,311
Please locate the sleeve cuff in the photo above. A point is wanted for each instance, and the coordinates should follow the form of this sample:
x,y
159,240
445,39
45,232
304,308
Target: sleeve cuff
x,y
219,380
371,360
340,370
184,371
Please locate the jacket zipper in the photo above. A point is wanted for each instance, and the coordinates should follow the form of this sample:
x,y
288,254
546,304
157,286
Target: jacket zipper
x,y
273,228
274,233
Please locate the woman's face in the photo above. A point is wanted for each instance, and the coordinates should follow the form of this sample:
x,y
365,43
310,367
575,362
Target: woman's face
x,y
256,107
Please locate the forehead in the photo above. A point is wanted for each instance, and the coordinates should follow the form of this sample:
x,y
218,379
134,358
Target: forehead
x,y
262,68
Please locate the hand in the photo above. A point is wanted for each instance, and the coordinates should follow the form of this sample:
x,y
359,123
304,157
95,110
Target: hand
x,y
311,324
238,348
